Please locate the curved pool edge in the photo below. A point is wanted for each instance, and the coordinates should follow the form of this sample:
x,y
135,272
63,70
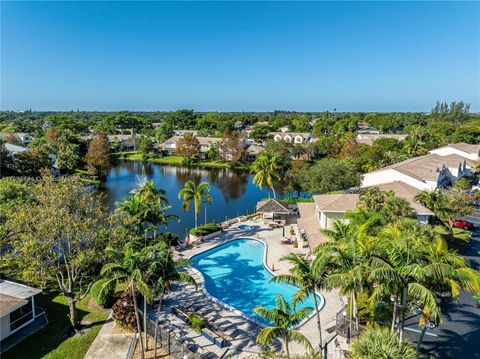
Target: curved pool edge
x,y
235,310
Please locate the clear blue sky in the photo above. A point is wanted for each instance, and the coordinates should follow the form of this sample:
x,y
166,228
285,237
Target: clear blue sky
x,y
378,56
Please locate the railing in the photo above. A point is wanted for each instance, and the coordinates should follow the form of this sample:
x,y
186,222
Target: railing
x,y
177,347
131,348
17,323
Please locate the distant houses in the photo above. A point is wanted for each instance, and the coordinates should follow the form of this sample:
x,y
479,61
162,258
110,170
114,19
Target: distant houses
x,y
369,138
17,138
300,138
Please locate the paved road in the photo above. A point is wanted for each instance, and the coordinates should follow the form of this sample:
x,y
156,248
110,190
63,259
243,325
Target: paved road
x,y
459,334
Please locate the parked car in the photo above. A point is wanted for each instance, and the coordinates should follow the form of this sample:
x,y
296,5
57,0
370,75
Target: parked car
x,y
476,203
463,223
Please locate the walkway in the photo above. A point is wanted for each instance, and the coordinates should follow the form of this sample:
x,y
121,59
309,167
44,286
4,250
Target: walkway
x,y
242,332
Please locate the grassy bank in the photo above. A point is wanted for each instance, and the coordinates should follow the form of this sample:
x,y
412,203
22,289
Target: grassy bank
x,y
179,161
56,340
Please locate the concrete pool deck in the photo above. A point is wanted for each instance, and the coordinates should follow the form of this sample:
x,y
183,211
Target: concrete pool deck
x,y
243,332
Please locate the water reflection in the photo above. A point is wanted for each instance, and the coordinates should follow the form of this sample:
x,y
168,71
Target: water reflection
x,y
232,191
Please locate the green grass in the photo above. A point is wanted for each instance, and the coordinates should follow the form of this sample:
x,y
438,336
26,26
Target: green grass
x,y
180,161
55,341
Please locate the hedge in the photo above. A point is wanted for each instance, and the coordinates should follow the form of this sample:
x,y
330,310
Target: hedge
x,y
205,229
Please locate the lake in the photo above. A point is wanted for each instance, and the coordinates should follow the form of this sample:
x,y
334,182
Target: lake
x,y
232,191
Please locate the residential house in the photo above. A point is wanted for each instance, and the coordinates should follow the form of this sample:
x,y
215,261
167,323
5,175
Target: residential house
x,y
293,137
326,208
19,317
252,151
184,132
123,142
369,138
206,143
424,173
19,138
14,149
284,129
366,128
466,150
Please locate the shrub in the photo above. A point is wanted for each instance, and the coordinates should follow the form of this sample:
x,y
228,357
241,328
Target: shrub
x,y
196,322
205,229
103,296
123,311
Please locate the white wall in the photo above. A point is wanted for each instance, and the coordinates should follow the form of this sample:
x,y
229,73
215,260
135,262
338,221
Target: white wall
x,y
391,175
445,151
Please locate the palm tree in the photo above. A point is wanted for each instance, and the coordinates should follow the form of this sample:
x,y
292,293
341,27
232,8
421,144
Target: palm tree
x,y
130,266
308,275
166,271
266,168
283,318
381,344
439,203
190,193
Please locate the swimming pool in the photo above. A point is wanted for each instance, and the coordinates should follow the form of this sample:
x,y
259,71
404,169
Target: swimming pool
x,y
235,274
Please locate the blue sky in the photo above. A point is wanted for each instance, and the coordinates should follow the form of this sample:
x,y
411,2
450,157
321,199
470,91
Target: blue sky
x,y
228,56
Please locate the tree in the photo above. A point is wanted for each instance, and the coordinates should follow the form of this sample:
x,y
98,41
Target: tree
x,y
32,162
6,160
231,147
98,156
266,170
373,344
145,145
196,194
282,318
130,266
260,133
188,146
165,272
440,204
308,276
59,237
329,175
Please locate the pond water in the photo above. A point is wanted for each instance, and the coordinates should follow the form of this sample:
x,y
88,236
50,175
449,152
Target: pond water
x,y
232,191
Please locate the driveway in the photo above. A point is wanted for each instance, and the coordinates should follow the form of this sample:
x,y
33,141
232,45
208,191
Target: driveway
x,y
459,334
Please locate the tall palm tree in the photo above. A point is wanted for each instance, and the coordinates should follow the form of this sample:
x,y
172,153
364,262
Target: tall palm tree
x,y
439,203
196,194
130,266
166,271
308,276
381,344
283,317
266,169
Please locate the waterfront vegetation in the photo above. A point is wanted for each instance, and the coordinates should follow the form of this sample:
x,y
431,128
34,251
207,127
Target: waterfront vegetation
x,y
58,235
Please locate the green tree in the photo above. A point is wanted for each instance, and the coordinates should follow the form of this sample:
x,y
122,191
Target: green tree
x,y
145,145
266,170
60,237
196,194
329,175
308,276
282,318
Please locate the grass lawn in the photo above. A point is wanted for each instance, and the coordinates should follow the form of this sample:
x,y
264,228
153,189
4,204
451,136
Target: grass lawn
x,y
56,339
179,161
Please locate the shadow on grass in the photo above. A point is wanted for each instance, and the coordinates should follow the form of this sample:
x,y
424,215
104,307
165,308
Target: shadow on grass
x,y
57,331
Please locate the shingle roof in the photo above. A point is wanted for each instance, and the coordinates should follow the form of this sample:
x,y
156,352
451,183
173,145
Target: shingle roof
x,y
254,150
17,290
425,167
336,202
201,140
8,304
273,206
407,192
14,148
291,134
466,147
368,139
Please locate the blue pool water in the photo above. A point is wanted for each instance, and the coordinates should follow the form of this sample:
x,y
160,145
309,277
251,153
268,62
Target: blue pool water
x,y
235,274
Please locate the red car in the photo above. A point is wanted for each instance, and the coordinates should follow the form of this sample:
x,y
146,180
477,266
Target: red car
x,y
463,223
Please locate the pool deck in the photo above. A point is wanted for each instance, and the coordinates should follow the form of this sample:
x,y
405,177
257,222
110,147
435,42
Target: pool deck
x,y
243,332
